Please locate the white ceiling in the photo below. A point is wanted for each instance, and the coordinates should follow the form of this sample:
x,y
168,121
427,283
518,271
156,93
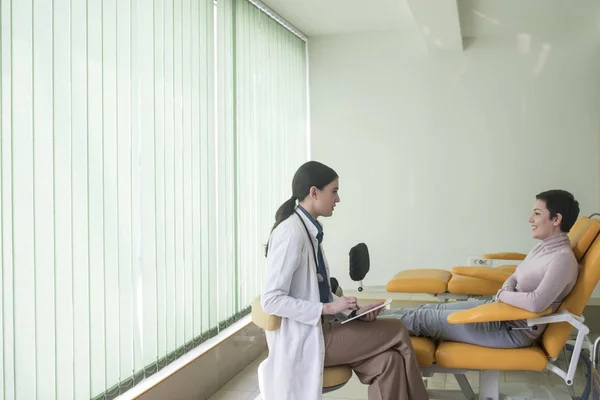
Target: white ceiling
x,y
478,18
543,18
333,17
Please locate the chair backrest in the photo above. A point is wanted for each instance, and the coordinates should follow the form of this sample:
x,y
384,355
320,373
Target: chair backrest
x,y
556,335
582,234
262,319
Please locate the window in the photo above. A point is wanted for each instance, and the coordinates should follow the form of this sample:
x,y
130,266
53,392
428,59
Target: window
x,y
143,152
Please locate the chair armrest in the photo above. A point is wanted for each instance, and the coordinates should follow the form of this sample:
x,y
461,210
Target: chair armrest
x,y
262,319
563,316
489,274
553,344
505,256
493,312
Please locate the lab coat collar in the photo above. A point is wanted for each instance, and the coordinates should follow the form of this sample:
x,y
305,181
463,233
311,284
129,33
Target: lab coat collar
x,y
308,221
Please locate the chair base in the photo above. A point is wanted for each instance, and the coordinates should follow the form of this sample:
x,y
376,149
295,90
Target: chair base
x,y
489,382
333,388
489,388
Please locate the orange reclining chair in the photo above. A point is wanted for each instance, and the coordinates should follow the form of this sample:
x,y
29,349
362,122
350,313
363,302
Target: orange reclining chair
x,y
462,283
458,358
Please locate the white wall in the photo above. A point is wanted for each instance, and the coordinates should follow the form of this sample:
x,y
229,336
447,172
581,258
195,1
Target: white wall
x,y
440,155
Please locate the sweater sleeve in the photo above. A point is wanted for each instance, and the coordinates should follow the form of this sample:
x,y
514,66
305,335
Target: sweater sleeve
x,y
559,274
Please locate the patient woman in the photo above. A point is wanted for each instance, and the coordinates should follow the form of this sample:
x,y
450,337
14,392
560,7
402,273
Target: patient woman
x,y
543,279
311,336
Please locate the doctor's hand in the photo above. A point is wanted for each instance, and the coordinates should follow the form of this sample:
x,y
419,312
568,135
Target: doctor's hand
x,y
372,316
344,303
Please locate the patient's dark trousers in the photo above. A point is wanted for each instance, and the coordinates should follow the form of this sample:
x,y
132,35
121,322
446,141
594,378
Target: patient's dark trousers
x,y
430,320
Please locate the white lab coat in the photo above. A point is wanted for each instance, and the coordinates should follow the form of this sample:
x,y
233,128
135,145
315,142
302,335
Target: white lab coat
x,y
294,367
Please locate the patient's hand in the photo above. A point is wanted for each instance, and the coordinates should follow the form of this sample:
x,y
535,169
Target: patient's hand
x,y
372,316
503,289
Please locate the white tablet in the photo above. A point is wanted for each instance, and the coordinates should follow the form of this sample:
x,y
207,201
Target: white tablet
x,y
387,302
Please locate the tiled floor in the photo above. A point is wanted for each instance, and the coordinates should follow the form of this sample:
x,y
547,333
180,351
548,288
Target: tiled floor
x,y
516,385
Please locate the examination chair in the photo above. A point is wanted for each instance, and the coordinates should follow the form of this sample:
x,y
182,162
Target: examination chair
x,y
462,283
457,358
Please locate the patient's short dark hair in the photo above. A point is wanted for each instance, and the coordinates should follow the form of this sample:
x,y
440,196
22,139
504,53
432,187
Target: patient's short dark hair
x,y
563,203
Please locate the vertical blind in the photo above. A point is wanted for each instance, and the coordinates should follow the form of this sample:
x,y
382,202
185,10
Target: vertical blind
x,y
271,132
145,146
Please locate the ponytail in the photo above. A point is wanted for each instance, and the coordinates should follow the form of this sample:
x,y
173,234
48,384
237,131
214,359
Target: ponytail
x,y
283,212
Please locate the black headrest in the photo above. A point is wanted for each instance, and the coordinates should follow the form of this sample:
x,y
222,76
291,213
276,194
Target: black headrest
x,y
359,262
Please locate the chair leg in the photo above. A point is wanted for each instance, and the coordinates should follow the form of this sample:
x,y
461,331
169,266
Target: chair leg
x,y
489,385
465,386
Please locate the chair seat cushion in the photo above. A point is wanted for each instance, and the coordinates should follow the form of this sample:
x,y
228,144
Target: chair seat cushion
x,y
460,284
468,356
490,274
338,375
420,281
510,268
425,350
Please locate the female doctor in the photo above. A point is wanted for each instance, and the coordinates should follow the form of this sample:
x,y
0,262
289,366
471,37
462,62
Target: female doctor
x,y
311,336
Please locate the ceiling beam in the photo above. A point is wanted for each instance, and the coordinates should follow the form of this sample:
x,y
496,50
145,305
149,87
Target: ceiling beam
x,y
439,23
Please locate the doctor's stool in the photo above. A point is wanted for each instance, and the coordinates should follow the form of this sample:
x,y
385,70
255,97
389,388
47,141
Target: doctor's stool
x,y
333,377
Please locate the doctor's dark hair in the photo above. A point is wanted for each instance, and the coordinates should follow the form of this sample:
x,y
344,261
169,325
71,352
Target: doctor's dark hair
x,y
311,173
563,203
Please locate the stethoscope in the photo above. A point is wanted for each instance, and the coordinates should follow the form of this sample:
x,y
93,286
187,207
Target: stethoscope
x,y
310,239
319,276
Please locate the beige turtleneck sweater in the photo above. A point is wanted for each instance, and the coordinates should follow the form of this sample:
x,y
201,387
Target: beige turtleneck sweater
x,y
544,278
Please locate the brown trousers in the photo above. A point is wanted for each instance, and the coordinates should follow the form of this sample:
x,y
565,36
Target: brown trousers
x,y
380,353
